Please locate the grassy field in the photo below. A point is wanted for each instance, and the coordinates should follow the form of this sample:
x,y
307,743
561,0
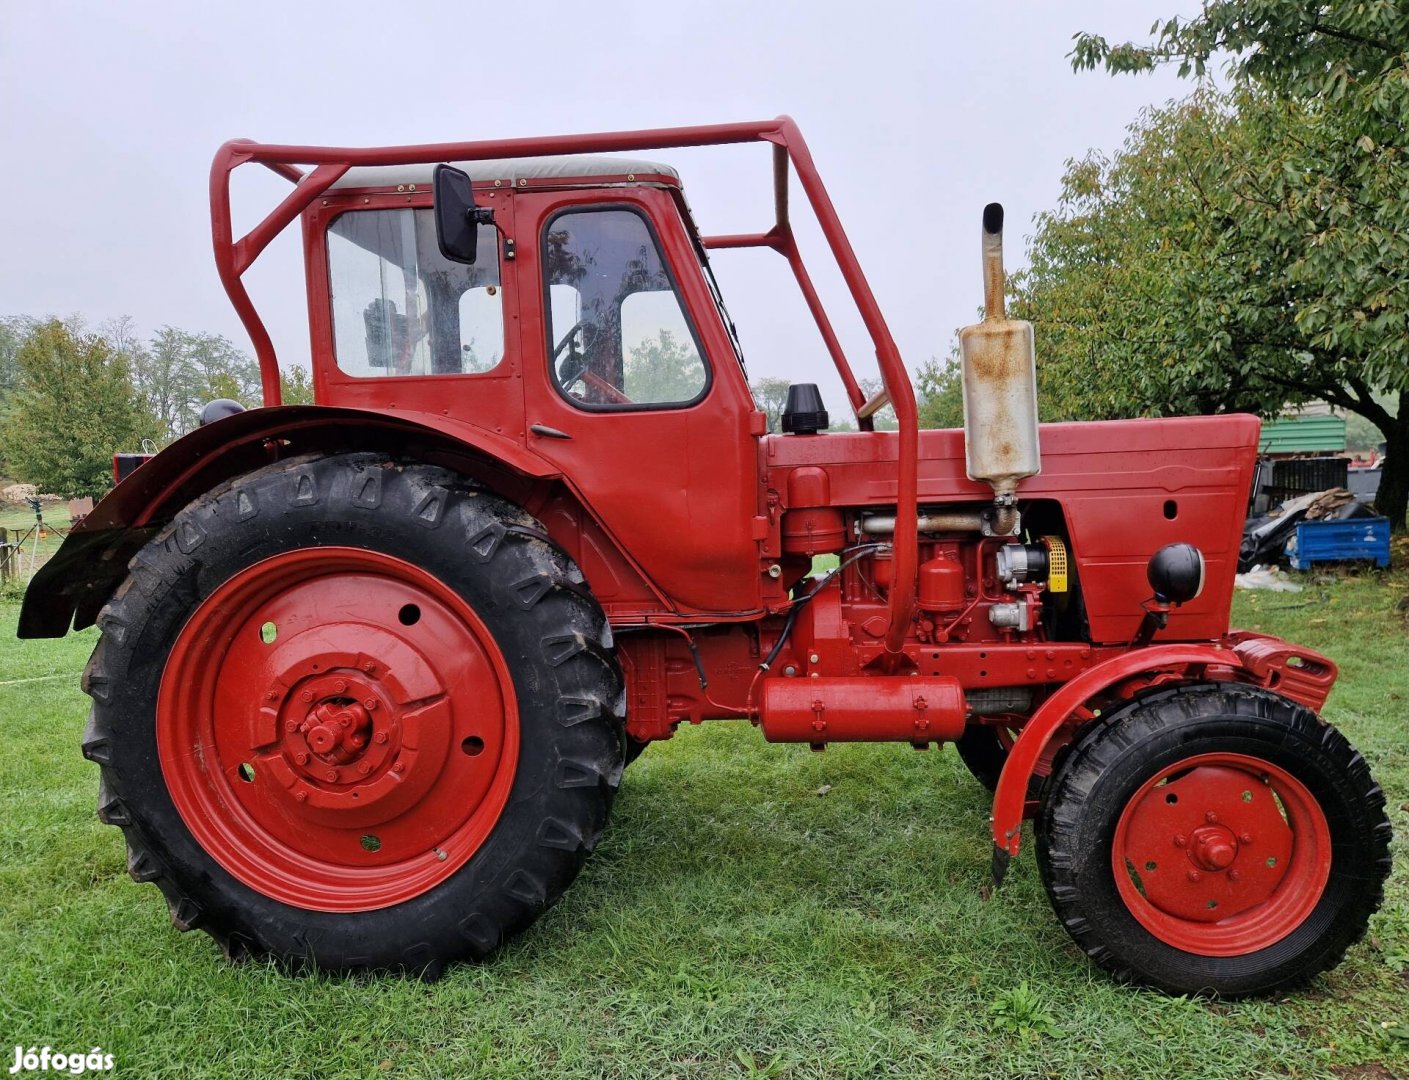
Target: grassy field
x,y
735,922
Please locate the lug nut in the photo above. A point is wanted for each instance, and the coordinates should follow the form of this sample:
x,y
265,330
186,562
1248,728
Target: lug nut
x,y
381,736
272,695
1211,818
301,796
365,768
307,695
370,703
1233,875
339,686
1180,839
1246,838
290,725
370,668
332,775
302,759
399,767
1195,876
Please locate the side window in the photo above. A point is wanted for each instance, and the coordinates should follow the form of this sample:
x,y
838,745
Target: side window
x,y
400,308
618,336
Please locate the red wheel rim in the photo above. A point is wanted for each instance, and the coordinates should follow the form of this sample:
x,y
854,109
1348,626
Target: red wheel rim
x,y
1221,854
337,728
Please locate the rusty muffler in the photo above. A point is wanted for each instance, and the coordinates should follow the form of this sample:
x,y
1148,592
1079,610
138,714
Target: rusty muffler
x,y
999,362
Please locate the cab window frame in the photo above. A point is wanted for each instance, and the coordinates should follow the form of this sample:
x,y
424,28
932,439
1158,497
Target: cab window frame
x,y
545,286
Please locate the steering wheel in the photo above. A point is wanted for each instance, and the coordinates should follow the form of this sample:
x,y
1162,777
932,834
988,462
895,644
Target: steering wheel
x,y
574,364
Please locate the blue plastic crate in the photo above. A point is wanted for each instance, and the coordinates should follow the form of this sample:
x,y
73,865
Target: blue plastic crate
x,y
1328,541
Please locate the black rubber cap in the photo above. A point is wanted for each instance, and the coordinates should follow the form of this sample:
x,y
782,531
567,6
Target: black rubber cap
x,y
993,218
804,414
219,409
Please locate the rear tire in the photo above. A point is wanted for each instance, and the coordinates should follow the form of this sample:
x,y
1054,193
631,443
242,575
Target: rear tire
x,y
355,714
1214,838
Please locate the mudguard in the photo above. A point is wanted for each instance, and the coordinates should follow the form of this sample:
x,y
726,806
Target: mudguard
x,y
1298,673
73,586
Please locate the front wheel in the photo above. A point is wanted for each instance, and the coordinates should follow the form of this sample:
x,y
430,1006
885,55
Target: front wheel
x,y
354,712
1214,838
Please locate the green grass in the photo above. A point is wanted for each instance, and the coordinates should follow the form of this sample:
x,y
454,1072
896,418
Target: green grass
x,y
732,923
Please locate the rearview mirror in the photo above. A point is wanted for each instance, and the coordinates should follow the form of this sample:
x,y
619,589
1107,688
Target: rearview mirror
x,y
456,219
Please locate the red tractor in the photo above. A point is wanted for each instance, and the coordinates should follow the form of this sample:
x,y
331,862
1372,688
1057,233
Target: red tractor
x,y
370,670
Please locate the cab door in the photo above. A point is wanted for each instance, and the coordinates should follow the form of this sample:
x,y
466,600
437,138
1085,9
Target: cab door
x,y
633,388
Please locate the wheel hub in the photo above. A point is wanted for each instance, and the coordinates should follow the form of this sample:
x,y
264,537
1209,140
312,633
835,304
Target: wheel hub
x,y
337,728
1213,847
1221,854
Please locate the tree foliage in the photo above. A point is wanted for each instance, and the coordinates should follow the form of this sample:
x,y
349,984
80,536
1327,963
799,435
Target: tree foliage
x,y
939,393
1243,250
73,408
663,369
771,395
180,371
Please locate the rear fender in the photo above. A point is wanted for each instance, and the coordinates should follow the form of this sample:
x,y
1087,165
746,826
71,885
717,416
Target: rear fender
x,y
74,585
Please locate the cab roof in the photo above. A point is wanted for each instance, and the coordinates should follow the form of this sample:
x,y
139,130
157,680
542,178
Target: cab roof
x,y
593,168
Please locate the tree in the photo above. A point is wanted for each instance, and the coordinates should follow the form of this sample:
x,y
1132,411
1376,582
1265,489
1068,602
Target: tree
x,y
940,393
771,395
296,386
664,369
1285,228
181,371
73,409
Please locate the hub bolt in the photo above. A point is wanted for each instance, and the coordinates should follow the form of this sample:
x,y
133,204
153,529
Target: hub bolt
x,y
332,775
381,736
370,703
272,695
370,668
399,767
1246,838
1180,839
301,758
307,695
1195,876
301,796
1211,818
290,725
365,768
358,741
339,686
1233,875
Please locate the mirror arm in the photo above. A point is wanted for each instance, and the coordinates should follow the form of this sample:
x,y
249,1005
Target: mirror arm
x,y
484,215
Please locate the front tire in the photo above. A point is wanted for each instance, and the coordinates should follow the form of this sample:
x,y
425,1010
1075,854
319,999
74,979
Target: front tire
x,y
1214,838
355,713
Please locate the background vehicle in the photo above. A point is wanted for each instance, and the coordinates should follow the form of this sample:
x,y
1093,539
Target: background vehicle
x,y
370,670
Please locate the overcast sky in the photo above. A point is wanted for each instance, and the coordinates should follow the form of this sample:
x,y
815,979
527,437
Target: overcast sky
x,y
917,114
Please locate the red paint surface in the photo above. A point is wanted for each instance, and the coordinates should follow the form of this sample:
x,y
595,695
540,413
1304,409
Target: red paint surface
x,y
1221,870
291,801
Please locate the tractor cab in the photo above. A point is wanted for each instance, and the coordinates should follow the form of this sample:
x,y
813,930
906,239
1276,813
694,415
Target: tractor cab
x,y
575,318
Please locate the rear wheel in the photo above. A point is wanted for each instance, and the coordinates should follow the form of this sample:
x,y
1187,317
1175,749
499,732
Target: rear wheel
x,y
1214,839
355,713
